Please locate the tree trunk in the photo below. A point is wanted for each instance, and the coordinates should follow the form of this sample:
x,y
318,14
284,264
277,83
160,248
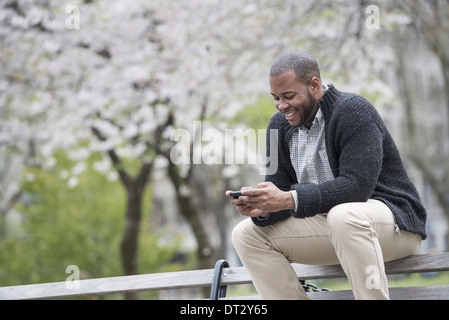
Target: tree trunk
x,y
129,245
134,190
205,251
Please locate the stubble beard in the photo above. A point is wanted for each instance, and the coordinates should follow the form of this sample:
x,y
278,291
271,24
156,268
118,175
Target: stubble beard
x,y
309,110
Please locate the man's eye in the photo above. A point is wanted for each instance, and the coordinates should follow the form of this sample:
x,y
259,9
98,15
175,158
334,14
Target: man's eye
x,y
289,98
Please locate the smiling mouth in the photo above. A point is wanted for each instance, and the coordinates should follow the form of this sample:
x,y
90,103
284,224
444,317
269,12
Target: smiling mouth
x,y
289,115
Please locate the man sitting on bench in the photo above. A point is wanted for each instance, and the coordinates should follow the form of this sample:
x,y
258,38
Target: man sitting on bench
x,y
340,194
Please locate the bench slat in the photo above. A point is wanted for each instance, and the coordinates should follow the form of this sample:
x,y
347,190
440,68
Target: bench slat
x,y
201,278
92,287
439,292
434,262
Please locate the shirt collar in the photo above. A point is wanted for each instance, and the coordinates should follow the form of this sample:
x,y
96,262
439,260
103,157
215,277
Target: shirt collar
x,y
319,117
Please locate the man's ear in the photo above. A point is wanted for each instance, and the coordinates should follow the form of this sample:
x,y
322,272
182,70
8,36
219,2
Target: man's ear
x,y
315,84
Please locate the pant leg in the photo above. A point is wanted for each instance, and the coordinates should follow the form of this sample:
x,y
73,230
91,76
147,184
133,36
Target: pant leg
x,y
364,237
266,252
359,236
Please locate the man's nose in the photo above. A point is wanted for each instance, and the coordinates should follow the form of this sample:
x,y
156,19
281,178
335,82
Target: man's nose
x,y
282,105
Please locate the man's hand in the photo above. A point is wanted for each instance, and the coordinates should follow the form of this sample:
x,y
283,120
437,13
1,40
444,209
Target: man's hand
x,y
260,201
245,209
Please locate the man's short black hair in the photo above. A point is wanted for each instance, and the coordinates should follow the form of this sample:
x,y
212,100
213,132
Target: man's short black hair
x,y
304,65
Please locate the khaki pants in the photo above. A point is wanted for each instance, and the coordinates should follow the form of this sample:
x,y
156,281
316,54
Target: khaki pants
x,y
359,236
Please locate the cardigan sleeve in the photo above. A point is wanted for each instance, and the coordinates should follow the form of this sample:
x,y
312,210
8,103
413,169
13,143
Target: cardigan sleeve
x,y
282,178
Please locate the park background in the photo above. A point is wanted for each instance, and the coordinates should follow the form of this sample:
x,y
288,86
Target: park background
x,y
96,95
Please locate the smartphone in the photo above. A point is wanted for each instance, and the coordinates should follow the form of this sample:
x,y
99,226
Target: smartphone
x,y
236,194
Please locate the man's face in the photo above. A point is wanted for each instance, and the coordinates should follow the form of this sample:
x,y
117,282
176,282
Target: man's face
x,y
294,99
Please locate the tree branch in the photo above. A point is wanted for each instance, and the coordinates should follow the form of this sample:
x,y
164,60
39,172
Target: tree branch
x,y
117,162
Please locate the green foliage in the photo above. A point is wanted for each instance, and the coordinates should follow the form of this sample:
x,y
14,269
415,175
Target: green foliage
x,y
83,226
256,116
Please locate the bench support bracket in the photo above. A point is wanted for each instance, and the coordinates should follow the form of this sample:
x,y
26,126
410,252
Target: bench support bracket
x,y
218,291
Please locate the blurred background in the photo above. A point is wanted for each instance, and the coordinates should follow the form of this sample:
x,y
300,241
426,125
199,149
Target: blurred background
x,y
114,114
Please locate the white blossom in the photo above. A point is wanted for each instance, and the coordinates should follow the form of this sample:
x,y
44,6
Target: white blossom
x,y
102,166
115,81
73,182
79,168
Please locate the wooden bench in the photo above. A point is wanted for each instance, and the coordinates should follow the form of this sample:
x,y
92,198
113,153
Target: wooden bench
x,y
225,276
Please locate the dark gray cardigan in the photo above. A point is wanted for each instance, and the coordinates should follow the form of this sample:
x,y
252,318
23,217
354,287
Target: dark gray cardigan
x,y
364,160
